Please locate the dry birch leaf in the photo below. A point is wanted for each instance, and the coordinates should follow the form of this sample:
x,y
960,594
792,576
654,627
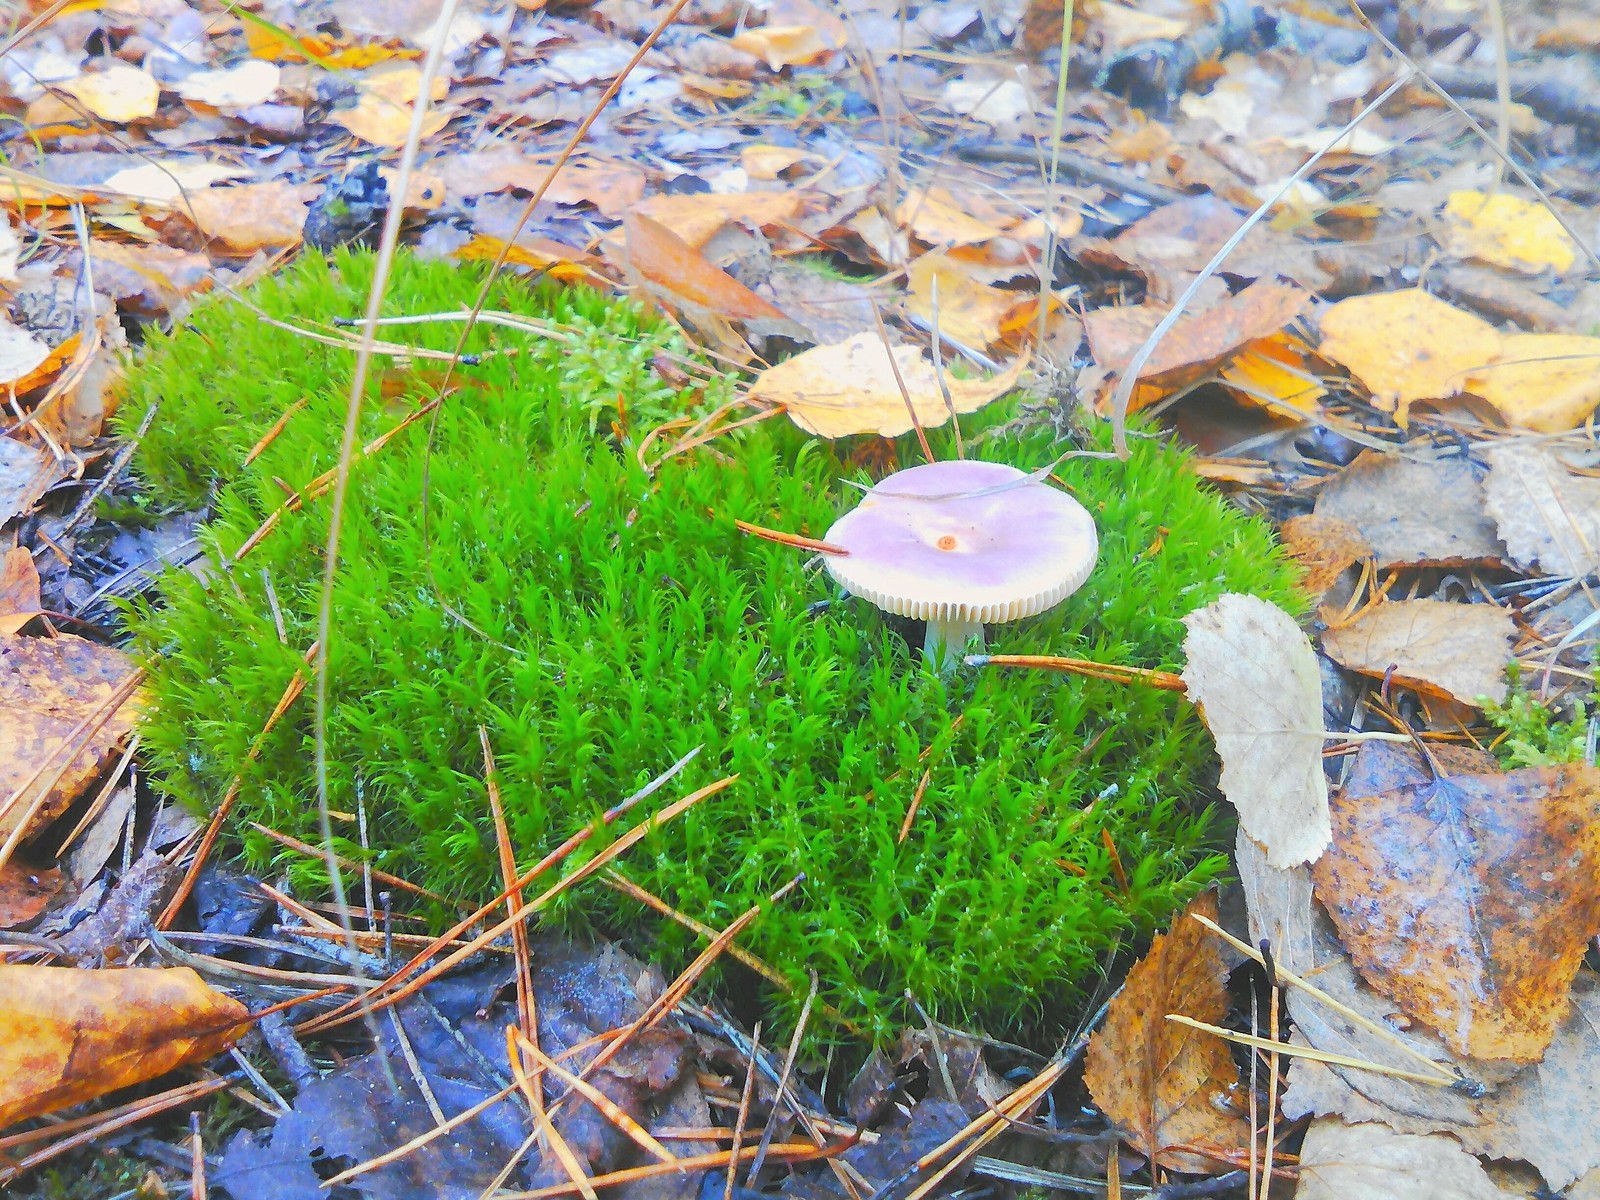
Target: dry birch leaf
x,y
1168,1085
1547,382
1414,511
248,217
1455,651
120,93
1372,1162
1254,676
1325,547
835,391
1547,515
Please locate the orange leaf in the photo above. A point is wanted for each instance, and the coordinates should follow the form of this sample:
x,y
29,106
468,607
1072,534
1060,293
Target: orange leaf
x,y
680,273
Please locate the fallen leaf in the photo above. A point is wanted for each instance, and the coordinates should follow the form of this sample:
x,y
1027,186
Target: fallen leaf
x,y
19,589
697,219
1275,373
25,892
938,217
1415,508
969,312
782,46
248,217
1372,1162
120,93
27,472
1255,677
1547,382
991,101
1469,898
52,689
1325,547
382,113
68,1035
21,353
770,162
1455,651
1406,346
166,182
835,391
675,268
1196,345
611,187
541,254
1167,1085
253,81
1507,231
1547,515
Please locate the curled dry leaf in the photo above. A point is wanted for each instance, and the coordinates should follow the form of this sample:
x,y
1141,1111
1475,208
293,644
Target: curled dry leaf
x,y
1455,651
1406,346
1468,898
1547,515
1168,1085
1413,510
1372,1162
1254,676
835,391
67,1035
49,687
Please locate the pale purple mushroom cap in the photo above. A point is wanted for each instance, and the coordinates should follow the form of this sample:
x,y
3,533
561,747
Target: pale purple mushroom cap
x,y
950,543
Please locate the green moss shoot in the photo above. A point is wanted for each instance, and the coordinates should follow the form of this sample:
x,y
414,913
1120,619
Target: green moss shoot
x,y
625,622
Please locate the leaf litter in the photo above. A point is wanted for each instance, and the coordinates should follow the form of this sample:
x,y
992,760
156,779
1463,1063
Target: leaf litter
x,y
1411,395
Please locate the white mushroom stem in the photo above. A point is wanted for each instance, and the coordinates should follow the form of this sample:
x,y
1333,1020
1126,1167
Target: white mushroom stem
x,y
947,640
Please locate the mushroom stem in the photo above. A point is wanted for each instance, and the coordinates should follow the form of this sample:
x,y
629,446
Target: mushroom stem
x,y
947,640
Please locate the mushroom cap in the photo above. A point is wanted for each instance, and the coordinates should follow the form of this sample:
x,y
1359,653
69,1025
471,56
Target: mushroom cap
x,y
950,542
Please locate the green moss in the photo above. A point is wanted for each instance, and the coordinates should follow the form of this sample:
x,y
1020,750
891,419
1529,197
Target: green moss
x,y
628,622
1533,735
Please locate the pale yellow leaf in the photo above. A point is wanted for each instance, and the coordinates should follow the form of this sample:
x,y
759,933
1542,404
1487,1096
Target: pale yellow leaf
x,y
1508,231
251,82
120,93
1549,382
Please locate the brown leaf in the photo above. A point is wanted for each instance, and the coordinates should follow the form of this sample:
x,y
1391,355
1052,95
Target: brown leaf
x,y
1469,898
1546,514
1324,547
48,688
19,584
248,217
1165,1084
611,187
1372,1162
697,219
679,274
1255,677
67,1035
1455,651
1414,510
26,891
27,472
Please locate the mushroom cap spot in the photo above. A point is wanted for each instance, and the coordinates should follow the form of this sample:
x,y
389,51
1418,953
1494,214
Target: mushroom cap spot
x,y
948,541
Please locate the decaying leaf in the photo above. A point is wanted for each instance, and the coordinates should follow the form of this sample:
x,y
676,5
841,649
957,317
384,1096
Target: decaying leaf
x,y
1468,898
68,1035
53,689
1456,651
1372,1162
835,391
1254,676
1415,509
1165,1084
19,589
1507,231
27,472
1406,346
26,891
1547,515
1324,546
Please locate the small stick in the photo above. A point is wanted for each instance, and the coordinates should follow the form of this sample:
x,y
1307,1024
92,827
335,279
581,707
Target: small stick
x,y
744,1114
1164,680
790,539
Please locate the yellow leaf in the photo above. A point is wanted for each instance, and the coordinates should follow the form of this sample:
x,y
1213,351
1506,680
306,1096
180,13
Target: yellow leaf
x,y
1507,231
941,219
385,123
166,182
1272,373
770,162
1407,346
1549,382
851,387
968,312
784,45
120,93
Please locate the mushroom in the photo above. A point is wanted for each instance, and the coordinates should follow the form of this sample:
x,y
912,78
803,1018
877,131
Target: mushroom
x,y
960,545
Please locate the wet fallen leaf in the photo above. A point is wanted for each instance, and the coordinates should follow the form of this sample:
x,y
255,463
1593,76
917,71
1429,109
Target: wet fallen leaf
x,y
1547,515
1406,346
1167,1085
248,217
1325,547
251,82
119,94
62,724
1372,1162
1470,898
1254,676
1548,382
835,391
1196,345
1455,651
1415,508
782,46
1507,231
969,312
67,1035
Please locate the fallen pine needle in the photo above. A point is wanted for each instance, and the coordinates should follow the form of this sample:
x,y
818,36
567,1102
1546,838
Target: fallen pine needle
x,y
1310,1052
